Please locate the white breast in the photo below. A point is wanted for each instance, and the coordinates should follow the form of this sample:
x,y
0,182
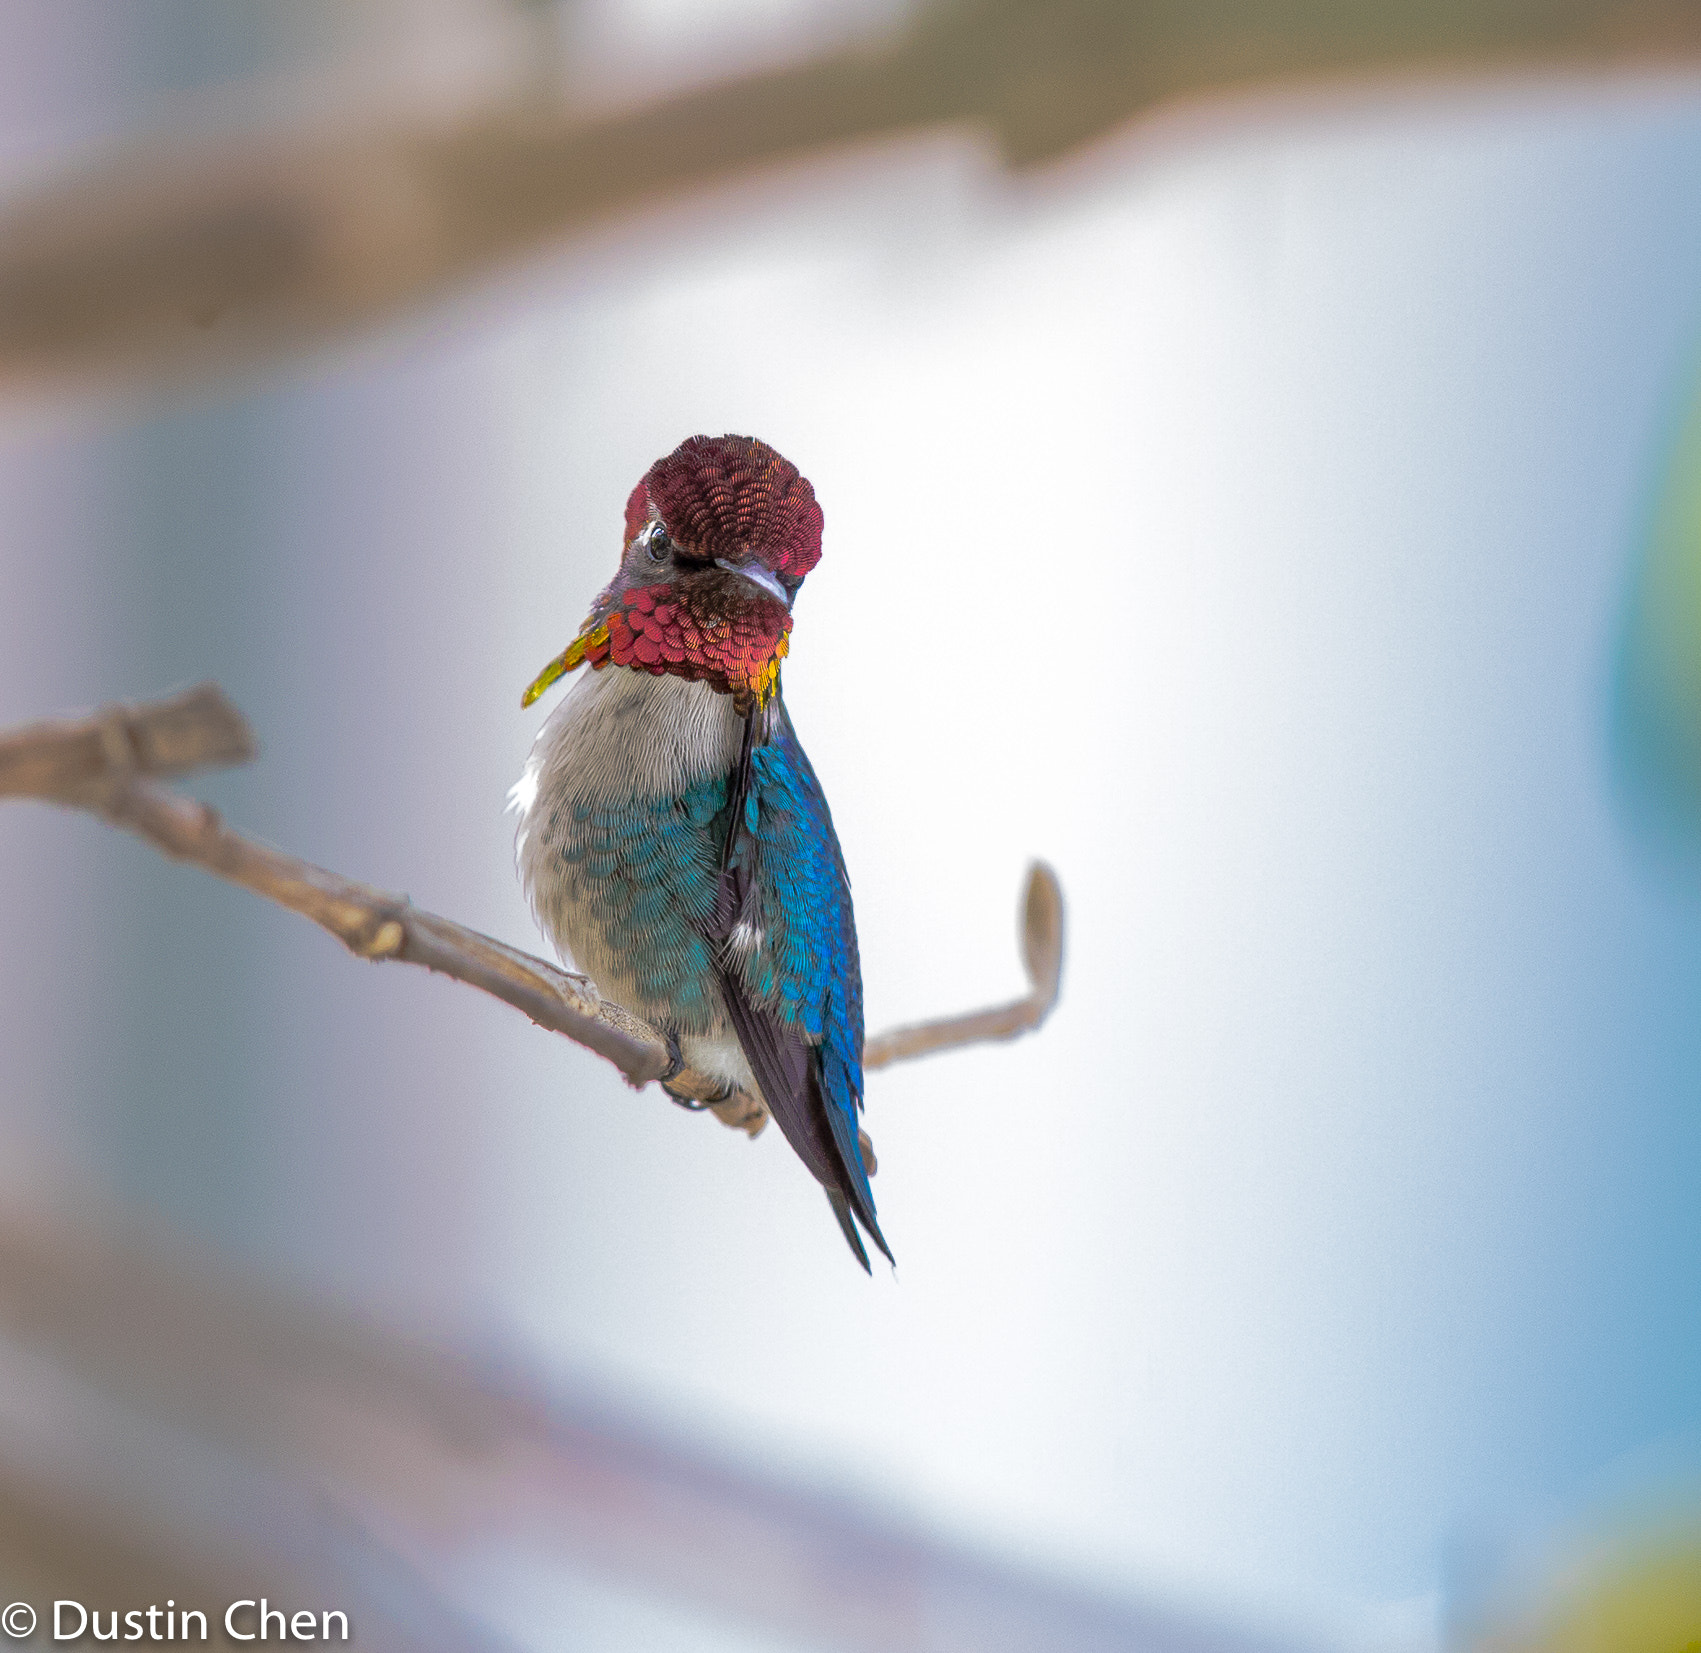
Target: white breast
x,y
622,734
618,733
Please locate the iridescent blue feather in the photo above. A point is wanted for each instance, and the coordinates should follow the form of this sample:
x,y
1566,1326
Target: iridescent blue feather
x,y
787,880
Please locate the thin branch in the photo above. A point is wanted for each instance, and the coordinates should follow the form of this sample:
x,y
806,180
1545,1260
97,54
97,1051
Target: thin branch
x,y
378,925
109,764
189,253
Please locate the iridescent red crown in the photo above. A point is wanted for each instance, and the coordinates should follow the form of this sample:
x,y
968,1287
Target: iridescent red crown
x,y
732,496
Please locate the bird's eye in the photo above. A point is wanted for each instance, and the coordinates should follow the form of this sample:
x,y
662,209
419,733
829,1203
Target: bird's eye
x,y
658,545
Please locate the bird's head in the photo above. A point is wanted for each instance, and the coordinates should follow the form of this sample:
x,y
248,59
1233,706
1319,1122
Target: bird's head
x,y
719,536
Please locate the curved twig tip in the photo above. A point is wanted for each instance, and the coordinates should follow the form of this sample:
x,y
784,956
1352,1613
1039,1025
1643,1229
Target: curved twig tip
x,y
1042,934
1041,941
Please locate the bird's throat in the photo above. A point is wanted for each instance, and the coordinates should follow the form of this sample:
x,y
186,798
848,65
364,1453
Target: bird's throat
x,y
654,631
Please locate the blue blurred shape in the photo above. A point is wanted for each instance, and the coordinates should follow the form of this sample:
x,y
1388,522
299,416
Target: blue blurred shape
x,y
1657,679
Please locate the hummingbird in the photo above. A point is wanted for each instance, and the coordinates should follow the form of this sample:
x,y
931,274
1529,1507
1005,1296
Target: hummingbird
x,y
673,840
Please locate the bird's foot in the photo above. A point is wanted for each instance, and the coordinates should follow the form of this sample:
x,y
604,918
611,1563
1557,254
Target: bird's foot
x,y
696,1104
742,1110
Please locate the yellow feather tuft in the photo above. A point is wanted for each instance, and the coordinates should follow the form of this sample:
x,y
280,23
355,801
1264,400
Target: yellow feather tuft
x,y
567,660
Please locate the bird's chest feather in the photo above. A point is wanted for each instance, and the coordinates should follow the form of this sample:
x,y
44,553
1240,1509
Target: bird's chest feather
x,y
622,823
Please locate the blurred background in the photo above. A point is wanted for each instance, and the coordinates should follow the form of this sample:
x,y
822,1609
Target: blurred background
x,y
1276,507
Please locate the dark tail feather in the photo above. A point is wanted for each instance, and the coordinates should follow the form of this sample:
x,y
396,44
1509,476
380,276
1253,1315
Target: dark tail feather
x,y
855,1179
878,1238
847,1225
824,1138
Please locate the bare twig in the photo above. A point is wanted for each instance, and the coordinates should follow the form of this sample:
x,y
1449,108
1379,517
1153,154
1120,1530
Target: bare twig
x,y
378,925
1042,954
198,729
107,763
190,253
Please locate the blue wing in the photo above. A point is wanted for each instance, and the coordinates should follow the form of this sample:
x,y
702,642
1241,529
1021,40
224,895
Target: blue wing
x,y
795,997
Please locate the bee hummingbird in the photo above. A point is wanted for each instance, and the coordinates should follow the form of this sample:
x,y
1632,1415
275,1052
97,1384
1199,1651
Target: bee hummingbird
x,y
673,839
